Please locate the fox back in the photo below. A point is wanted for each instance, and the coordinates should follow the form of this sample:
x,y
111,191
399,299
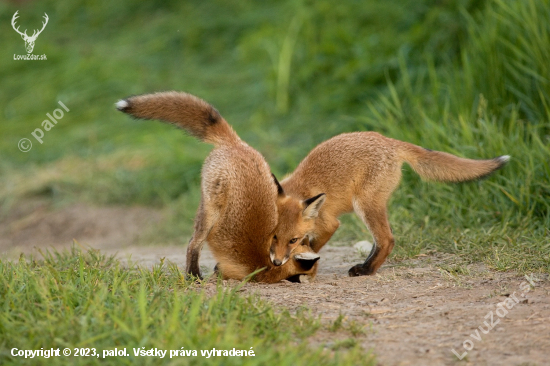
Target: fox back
x,y
238,211
358,172
238,184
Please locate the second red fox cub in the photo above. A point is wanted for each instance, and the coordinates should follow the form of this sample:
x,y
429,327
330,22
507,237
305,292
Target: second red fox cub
x,y
237,214
358,172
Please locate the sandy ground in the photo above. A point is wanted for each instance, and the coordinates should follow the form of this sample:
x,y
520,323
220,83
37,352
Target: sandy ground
x,y
410,313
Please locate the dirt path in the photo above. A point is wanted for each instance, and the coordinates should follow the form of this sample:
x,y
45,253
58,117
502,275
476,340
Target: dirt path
x,y
35,223
410,313
416,314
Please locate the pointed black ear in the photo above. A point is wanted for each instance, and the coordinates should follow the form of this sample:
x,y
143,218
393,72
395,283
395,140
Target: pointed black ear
x,y
307,260
313,205
280,190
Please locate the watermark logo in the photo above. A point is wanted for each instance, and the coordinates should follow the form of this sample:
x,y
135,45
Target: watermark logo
x,y
501,310
29,40
25,145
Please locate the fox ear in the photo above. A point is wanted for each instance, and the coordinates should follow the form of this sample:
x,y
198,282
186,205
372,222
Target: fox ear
x,y
280,190
307,259
313,205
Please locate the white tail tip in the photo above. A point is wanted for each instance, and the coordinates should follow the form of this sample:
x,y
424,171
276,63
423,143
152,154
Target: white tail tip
x,y
121,104
504,158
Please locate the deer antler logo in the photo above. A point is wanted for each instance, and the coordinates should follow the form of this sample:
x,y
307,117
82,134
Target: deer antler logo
x,y
29,41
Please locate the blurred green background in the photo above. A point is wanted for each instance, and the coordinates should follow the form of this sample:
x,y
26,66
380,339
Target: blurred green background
x,y
467,77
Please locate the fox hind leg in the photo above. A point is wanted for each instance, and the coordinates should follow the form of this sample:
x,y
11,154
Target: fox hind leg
x,y
375,216
204,222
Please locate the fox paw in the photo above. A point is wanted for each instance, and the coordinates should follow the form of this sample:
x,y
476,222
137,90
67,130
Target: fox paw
x,y
300,278
360,270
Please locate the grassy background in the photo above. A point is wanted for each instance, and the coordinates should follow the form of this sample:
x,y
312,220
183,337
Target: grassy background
x,y
468,77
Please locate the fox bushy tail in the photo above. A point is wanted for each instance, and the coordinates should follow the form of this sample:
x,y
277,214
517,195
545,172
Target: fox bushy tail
x,y
186,111
445,167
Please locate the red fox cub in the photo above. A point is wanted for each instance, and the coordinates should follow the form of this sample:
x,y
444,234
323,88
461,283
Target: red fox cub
x,y
358,172
237,214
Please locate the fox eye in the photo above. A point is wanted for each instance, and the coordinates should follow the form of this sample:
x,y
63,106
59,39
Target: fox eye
x,y
275,237
292,241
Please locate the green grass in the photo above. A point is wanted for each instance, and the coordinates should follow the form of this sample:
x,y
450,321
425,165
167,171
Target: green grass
x,y
86,300
466,77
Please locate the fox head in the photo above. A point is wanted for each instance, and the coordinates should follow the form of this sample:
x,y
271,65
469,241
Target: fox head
x,y
296,222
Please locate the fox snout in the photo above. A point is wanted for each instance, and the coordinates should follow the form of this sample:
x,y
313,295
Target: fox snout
x,y
276,261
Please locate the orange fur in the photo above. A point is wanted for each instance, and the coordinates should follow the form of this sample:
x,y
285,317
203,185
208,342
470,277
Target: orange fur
x,y
237,214
358,172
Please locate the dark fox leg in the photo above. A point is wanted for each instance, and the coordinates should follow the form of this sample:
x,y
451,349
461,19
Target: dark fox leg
x,y
375,217
203,225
